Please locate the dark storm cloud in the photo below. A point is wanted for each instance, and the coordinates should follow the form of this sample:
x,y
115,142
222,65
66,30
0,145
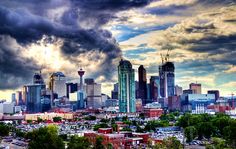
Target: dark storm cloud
x,y
14,70
80,28
214,45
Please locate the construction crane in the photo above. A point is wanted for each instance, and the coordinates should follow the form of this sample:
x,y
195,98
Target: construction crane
x,y
162,59
167,55
166,58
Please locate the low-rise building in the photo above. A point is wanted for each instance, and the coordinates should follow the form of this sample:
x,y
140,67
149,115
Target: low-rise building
x,y
48,116
152,112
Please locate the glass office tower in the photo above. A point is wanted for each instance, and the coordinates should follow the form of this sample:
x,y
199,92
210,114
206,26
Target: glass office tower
x,y
167,79
126,87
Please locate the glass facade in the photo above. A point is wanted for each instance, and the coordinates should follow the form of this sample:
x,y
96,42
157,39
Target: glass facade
x,y
126,87
34,98
167,79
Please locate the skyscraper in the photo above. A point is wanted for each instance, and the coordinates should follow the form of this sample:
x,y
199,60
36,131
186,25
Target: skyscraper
x,y
57,84
71,88
126,82
18,98
167,79
93,92
33,98
114,92
38,79
142,84
196,87
154,88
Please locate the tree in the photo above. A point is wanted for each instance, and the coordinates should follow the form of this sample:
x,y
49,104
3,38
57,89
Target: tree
x,y
98,144
125,118
45,138
172,143
109,146
152,125
190,132
29,121
104,120
139,129
169,143
79,143
114,127
4,130
220,122
90,118
19,133
229,133
217,143
142,116
57,119
205,129
102,125
39,120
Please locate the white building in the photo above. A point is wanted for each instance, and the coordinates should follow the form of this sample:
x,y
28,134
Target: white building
x,y
7,108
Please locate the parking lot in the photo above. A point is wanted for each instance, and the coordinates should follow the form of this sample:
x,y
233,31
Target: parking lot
x,y
14,143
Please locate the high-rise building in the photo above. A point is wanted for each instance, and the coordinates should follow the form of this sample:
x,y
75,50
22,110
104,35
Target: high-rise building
x,y
89,81
38,79
196,87
142,84
94,99
126,81
13,98
114,92
178,90
136,90
18,98
57,84
24,89
33,98
154,88
71,88
167,79
215,92
148,100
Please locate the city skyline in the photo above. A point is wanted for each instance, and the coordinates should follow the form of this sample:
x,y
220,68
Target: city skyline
x,y
60,35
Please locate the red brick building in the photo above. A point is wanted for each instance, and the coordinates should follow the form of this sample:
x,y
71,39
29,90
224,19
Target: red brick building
x,y
117,140
105,130
149,112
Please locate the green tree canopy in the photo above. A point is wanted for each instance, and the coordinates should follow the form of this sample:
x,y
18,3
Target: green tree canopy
x,y
4,129
229,133
57,119
45,138
98,144
169,143
102,125
190,133
79,143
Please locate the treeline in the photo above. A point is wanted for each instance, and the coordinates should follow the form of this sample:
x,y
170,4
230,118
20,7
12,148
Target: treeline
x,y
207,126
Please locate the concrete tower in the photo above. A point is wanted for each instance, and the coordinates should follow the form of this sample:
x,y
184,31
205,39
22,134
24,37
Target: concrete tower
x,y
81,73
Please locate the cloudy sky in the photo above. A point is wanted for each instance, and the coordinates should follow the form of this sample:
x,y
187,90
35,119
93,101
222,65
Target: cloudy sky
x,y
64,35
